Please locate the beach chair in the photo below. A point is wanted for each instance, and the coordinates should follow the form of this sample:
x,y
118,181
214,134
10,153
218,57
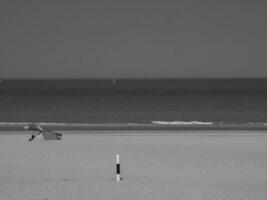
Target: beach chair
x,y
42,134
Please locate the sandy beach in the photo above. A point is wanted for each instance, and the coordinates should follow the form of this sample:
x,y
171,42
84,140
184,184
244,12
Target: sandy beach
x,y
219,165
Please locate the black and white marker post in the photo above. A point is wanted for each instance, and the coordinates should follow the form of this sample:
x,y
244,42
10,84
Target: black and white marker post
x,y
118,168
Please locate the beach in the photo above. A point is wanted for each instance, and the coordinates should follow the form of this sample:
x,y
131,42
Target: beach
x,y
154,165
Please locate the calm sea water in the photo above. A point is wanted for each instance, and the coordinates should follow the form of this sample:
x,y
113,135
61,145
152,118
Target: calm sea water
x,y
134,101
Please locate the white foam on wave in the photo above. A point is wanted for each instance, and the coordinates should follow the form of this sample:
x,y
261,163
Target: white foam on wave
x,y
182,123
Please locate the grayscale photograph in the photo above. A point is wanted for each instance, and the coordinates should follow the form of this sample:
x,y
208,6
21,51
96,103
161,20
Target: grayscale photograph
x,y
133,100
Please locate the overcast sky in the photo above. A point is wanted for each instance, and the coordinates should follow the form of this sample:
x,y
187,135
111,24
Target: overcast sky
x,y
133,39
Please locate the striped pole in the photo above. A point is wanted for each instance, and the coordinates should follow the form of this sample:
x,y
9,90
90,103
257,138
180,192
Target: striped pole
x,y
118,170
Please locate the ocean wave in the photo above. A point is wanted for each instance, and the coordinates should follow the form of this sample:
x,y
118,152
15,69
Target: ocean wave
x,y
182,123
43,123
129,123
85,124
63,124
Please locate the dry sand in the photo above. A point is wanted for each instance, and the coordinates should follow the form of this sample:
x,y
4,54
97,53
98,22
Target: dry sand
x,y
166,165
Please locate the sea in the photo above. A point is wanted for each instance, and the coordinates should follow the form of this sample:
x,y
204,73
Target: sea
x,y
134,101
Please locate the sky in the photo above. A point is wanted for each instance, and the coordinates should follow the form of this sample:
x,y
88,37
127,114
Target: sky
x,y
133,39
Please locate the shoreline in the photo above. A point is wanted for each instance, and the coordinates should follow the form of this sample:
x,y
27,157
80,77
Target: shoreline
x,y
136,127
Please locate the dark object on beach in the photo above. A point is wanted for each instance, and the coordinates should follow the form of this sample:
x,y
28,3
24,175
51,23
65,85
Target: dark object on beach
x,y
46,134
32,137
51,135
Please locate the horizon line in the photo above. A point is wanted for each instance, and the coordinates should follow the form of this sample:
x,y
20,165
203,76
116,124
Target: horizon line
x,y
117,78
